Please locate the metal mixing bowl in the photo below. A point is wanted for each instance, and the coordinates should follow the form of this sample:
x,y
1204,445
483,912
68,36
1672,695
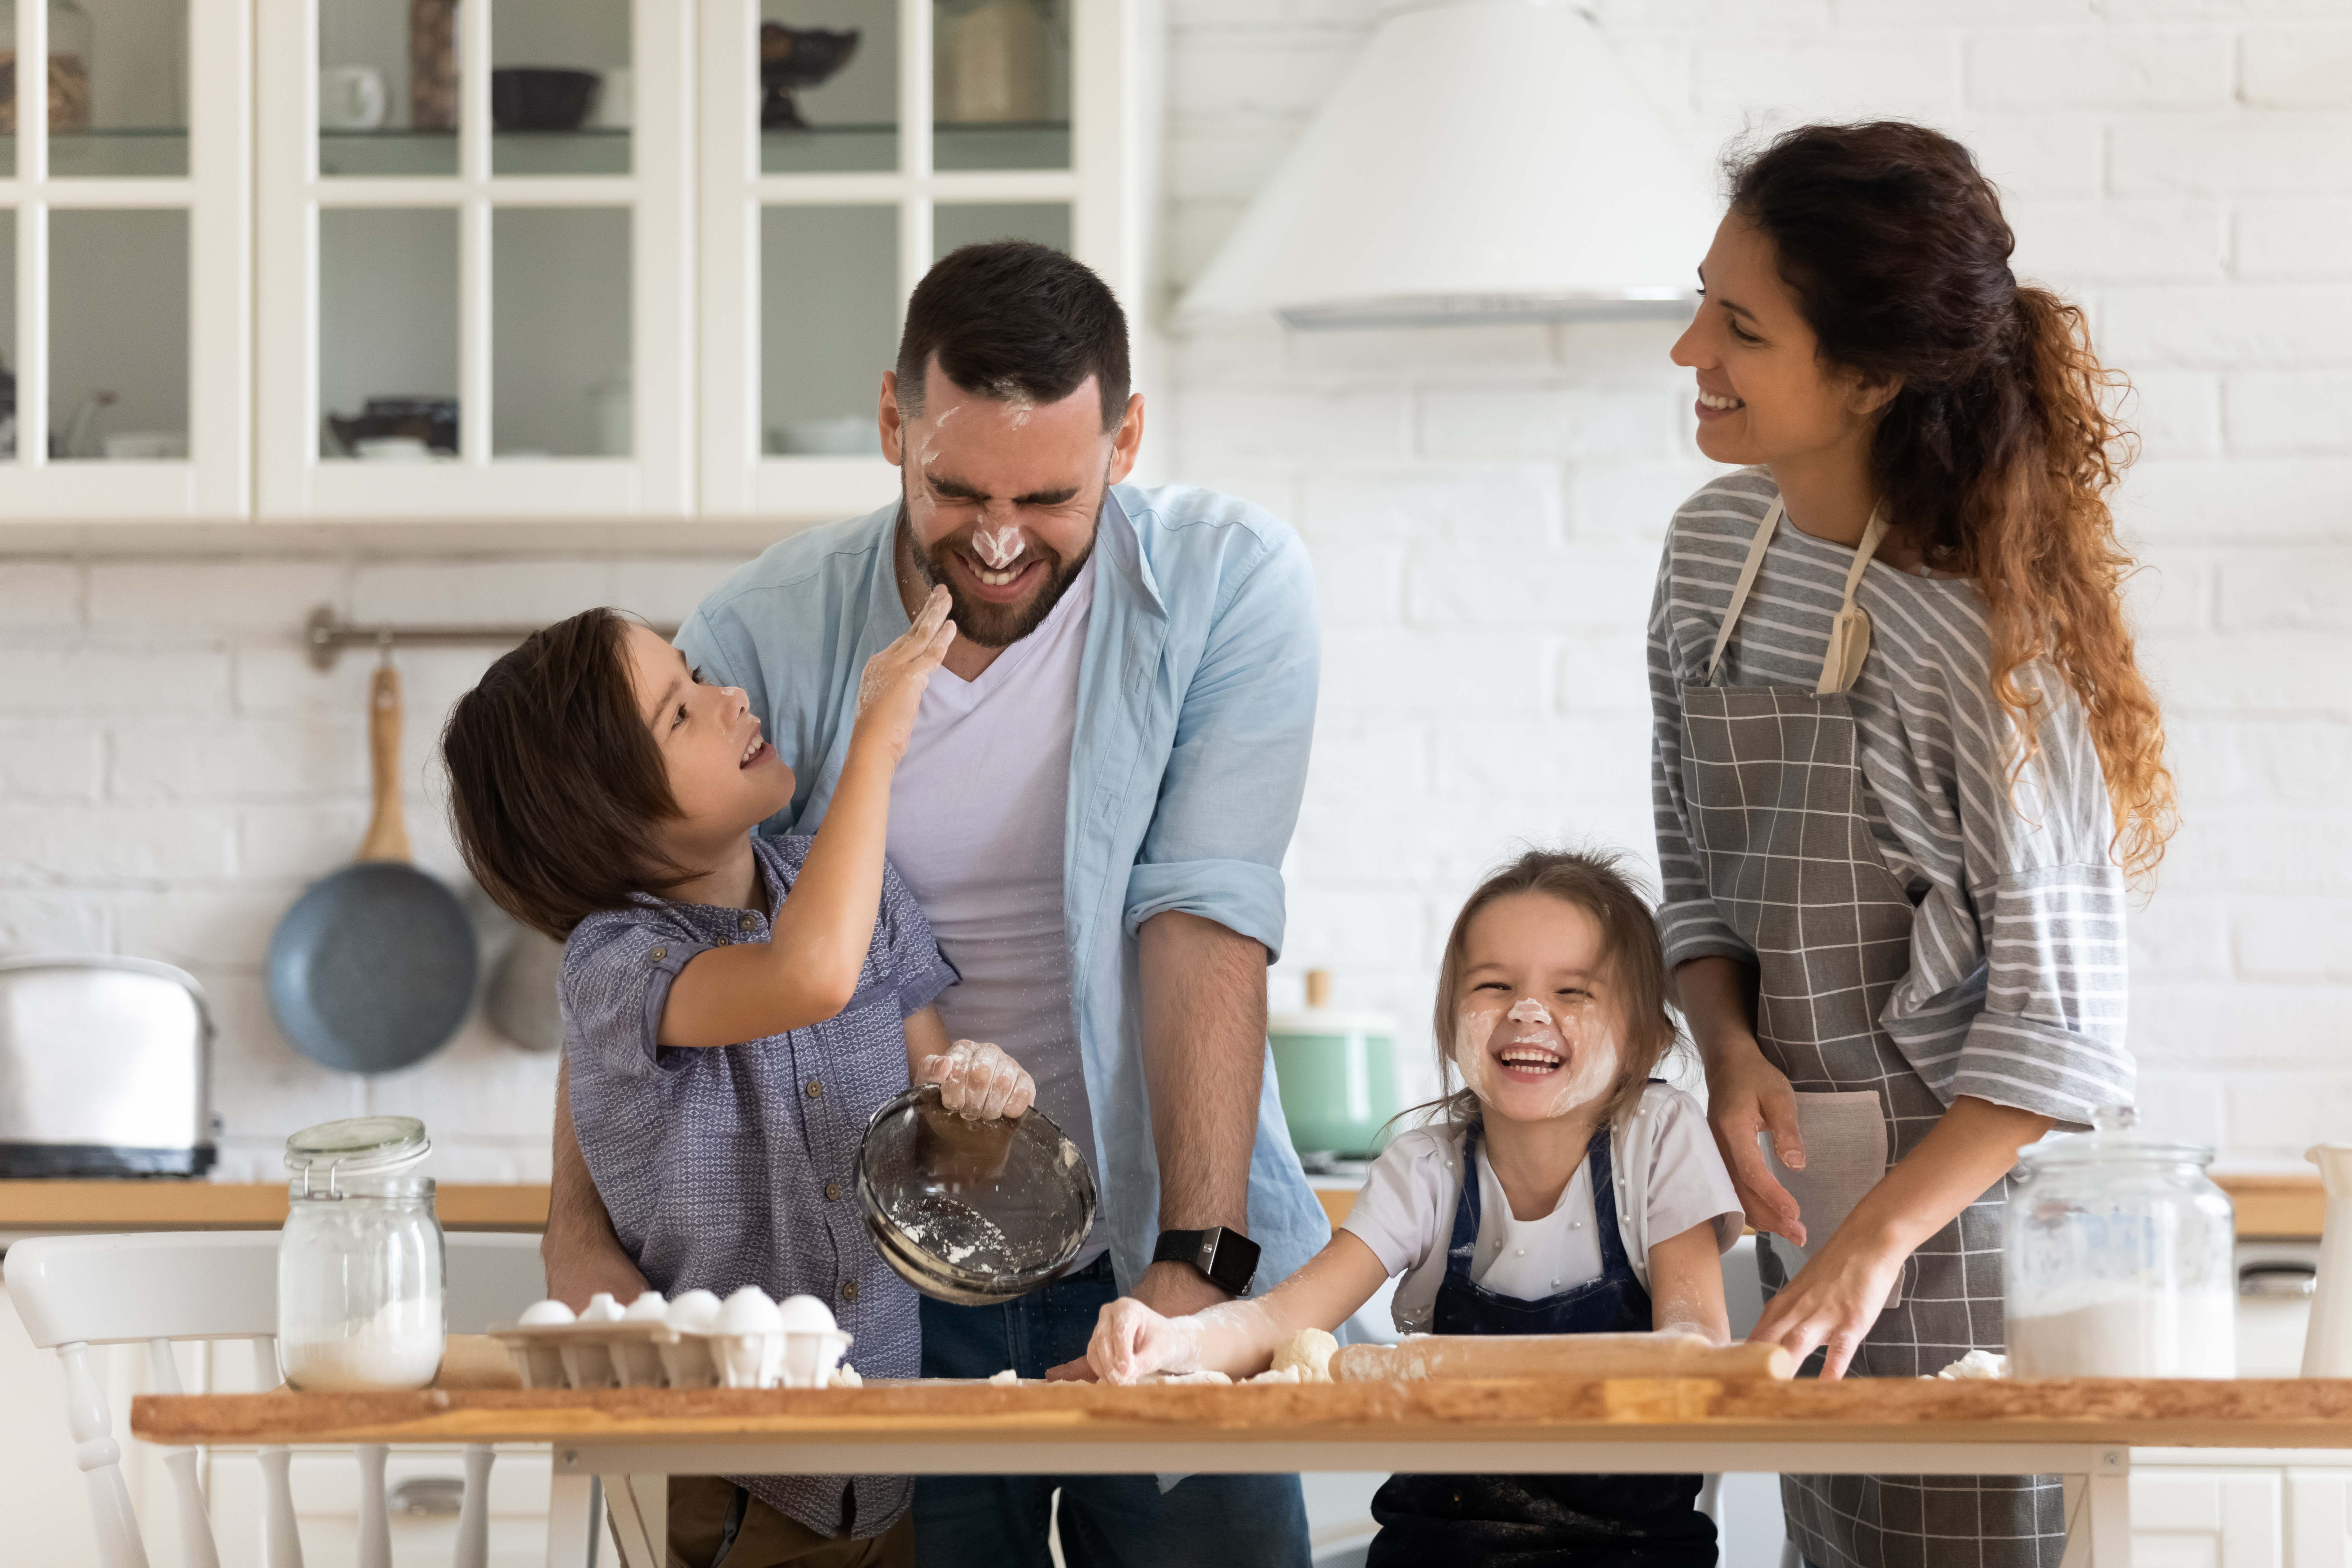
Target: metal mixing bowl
x,y
972,1212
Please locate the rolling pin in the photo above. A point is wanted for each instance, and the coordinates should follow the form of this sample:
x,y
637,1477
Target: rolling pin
x,y
1491,1356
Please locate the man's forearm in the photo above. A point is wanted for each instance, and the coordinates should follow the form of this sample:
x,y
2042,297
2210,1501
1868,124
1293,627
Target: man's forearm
x,y
1204,1018
580,1251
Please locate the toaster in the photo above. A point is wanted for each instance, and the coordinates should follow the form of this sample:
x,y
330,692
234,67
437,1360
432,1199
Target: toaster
x,y
105,1069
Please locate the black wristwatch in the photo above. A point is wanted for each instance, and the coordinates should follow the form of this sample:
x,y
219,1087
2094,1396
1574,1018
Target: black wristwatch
x,y
1225,1256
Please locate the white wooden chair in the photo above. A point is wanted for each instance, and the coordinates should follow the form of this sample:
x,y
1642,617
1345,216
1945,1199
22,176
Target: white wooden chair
x,y
75,1292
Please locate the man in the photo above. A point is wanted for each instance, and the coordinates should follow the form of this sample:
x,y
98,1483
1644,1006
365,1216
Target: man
x,y
1092,812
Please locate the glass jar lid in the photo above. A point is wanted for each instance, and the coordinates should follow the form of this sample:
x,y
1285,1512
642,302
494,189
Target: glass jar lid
x,y
2114,1138
356,1146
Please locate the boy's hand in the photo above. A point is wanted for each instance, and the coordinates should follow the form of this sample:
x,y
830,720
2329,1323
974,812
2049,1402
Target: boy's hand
x,y
891,688
980,1081
1131,1341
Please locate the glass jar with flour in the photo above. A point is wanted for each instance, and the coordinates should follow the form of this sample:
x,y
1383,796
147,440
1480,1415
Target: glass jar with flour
x,y
360,1261
2118,1255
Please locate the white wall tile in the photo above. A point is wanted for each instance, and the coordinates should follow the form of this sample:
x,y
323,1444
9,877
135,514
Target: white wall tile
x,y
2289,410
37,595
2299,68
2100,67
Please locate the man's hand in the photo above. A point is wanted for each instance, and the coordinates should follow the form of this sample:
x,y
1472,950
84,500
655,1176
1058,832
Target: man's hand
x,y
977,1080
1171,1289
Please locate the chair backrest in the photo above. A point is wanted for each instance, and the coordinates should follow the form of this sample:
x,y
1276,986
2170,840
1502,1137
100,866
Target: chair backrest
x,y
223,1285
74,1291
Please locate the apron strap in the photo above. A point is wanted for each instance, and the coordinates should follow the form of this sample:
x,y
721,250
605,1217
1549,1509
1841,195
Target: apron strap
x,y
1757,549
1849,630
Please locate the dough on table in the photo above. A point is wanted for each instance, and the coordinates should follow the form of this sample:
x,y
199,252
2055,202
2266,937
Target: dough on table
x,y
1306,1353
1203,1376
1006,1378
1974,1365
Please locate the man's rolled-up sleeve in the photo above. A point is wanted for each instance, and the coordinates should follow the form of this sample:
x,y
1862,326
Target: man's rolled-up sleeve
x,y
1229,796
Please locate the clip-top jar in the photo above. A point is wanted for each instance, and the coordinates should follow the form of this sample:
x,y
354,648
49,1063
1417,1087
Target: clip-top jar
x,y
2118,1259
360,1261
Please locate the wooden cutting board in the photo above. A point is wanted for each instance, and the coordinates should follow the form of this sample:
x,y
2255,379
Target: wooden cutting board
x,y
1486,1357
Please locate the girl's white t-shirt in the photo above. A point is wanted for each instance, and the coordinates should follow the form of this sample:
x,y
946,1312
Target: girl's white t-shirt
x,y
1666,1170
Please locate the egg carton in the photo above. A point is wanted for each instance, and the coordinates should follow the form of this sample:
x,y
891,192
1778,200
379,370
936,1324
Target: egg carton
x,y
655,1355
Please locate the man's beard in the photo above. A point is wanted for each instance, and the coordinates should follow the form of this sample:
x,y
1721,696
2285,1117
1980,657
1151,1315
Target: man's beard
x,y
993,626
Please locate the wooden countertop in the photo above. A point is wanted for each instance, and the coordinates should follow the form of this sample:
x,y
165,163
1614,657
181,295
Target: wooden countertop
x,y
2279,1207
161,1203
2284,1414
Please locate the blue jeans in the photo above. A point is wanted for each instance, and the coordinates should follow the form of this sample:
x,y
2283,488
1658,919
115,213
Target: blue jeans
x,y
1108,1521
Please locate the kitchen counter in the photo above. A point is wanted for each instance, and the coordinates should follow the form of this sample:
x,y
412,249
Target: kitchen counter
x,y
33,1207
2268,1208
2308,1413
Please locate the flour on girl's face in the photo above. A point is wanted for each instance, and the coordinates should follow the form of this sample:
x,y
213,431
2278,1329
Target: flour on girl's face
x,y
1577,1033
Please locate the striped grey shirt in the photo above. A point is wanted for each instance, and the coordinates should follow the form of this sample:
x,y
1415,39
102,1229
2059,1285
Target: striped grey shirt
x,y
2016,989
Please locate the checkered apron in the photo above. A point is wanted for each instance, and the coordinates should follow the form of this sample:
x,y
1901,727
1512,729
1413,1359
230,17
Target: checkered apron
x,y
1775,794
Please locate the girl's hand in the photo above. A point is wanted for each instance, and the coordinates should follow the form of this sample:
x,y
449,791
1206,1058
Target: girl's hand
x,y
1833,1300
1132,1341
891,688
1746,1095
980,1081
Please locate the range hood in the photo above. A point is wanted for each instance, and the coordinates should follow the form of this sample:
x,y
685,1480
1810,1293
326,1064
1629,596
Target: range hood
x,y
1482,160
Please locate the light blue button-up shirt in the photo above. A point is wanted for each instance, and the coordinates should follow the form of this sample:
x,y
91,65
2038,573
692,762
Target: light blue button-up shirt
x,y
1196,706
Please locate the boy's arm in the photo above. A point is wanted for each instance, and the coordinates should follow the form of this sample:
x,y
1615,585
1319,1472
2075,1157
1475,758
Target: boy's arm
x,y
580,1251
1687,1284
1131,1341
808,968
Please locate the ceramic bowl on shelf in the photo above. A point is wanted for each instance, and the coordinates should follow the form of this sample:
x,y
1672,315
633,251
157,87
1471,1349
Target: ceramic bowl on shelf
x,y
540,98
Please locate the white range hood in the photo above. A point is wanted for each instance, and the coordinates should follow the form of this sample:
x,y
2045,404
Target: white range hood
x,y
1483,161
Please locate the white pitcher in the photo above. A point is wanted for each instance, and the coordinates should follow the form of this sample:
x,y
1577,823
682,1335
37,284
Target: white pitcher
x,y
2327,1347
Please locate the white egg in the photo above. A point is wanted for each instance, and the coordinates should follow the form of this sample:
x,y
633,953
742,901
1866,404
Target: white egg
x,y
541,1313
694,1312
750,1312
601,1309
647,1308
805,1315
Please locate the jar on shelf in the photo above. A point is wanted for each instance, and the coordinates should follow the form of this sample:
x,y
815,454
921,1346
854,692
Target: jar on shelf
x,y
2118,1255
360,1261
68,72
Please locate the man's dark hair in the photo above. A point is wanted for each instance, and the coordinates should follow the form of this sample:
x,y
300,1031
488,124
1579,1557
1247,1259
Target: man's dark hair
x,y
1008,319
555,783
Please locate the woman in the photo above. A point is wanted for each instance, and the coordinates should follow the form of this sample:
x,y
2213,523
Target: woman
x,y
1905,764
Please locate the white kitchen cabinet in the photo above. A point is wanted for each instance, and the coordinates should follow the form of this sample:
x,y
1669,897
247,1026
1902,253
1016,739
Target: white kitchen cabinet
x,y
528,293
124,262
2240,1508
933,135
672,312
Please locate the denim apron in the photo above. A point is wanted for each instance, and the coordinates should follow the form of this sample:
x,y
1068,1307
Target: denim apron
x,y
1542,1521
1780,824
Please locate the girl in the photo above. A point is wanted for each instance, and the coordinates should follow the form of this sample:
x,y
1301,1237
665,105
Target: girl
x,y
1561,1191
1904,763
735,1009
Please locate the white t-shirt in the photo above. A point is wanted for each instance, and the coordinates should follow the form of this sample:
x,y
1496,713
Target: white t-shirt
x,y
1664,1166
978,811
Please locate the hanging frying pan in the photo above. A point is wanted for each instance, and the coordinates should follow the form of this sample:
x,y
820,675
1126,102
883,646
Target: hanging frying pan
x,y
373,968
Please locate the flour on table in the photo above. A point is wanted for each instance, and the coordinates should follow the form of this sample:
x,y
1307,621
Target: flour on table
x,y
1006,1378
1974,1365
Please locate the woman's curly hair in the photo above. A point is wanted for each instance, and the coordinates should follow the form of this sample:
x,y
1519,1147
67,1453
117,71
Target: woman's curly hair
x,y
1997,454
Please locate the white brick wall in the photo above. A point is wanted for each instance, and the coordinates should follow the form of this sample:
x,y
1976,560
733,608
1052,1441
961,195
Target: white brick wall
x,y
2179,166
1485,508
173,772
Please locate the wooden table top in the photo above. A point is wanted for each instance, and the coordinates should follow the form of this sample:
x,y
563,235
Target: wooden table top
x,y
2252,1414
164,1204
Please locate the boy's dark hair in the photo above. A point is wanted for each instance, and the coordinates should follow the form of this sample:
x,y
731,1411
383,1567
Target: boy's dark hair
x,y
555,783
1010,319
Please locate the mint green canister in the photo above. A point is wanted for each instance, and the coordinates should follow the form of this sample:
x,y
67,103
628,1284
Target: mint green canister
x,y
1337,1072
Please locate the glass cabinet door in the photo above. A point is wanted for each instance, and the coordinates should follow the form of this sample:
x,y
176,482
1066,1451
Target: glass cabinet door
x,y
123,391
848,145
487,204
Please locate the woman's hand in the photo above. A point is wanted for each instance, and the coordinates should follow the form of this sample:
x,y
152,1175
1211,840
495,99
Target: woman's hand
x,y
892,687
1746,1095
1834,1299
980,1081
1132,1341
